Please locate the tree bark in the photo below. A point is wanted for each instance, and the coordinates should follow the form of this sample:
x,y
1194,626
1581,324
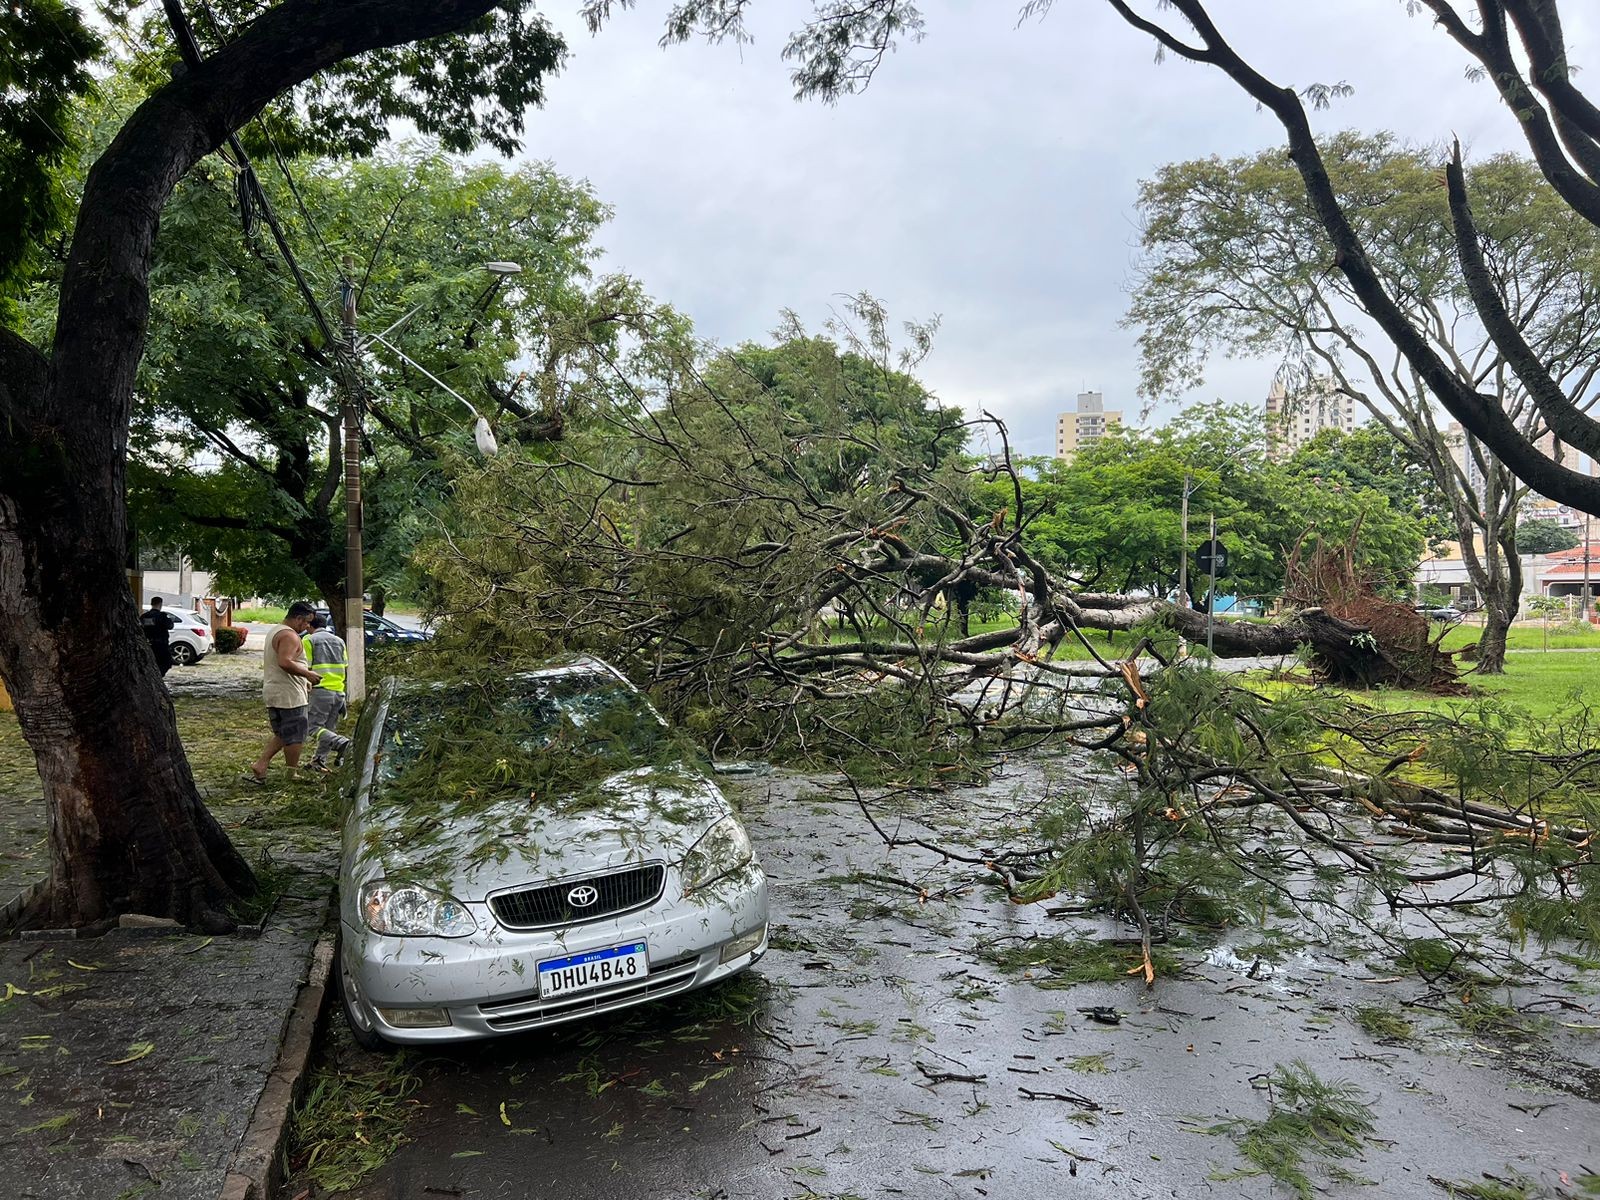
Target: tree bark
x,y
127,828
1344,652
1491,656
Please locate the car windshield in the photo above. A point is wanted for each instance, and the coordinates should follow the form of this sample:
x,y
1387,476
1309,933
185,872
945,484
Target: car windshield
x,y
527,735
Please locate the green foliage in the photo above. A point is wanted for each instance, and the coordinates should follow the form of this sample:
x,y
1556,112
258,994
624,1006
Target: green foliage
x,y
1110,518
1384,1022
1061,961
491,755
465,88
1544,537
227,639
1370,458
1512,1186
688,521
46,52
352,1120
1311,1124
236,451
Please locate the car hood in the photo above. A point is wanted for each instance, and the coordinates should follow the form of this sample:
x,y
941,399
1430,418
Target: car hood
x,y
645,814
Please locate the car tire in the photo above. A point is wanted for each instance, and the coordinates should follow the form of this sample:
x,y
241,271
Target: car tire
x,y
183,654
355,1017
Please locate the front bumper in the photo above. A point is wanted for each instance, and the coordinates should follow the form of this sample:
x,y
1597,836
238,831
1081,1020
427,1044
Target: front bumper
x,y
487,984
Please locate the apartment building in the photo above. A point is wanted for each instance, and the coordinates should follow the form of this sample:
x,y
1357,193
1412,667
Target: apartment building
x,y
1085,425
1294,418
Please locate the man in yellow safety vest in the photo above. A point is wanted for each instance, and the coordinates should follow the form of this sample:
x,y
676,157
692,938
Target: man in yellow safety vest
x,y
325,652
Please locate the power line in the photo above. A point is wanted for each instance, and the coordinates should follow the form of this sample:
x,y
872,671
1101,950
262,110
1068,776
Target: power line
x,y
277,154
190,51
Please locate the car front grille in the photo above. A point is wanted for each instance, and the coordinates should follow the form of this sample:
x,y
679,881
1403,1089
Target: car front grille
x,y
548,905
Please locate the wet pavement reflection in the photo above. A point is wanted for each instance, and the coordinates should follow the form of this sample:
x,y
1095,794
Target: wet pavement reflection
x,y
876,1051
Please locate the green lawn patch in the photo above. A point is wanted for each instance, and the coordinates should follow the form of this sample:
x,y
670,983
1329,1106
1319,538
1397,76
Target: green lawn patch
x,y
1529,635
1542,685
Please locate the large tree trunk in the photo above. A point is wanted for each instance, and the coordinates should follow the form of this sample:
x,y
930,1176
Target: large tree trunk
x,y
127,828
1491,655
128,832
1343,651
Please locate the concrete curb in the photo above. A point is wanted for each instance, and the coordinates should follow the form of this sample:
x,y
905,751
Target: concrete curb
x,y
12,911
257,1167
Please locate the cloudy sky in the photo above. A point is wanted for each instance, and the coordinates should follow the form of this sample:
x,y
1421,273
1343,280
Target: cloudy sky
x,y
987,176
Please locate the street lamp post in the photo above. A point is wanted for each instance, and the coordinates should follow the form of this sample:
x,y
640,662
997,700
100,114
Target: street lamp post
x,y
351,349
355,632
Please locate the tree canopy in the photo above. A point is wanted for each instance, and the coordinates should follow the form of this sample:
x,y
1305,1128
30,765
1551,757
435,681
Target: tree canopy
x,y
129,831
1110,518
1235,261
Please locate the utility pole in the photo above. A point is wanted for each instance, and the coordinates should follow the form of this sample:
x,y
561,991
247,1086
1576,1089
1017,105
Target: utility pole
x,y
1183,549
1583,614
1211,590
355,633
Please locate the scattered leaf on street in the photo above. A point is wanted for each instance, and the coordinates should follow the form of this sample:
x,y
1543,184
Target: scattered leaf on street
x,y
135,1052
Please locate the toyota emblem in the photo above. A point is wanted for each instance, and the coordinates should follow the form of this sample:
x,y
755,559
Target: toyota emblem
x,y
583,896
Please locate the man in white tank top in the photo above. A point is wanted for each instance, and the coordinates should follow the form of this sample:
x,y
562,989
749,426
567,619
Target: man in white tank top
x,y
286,684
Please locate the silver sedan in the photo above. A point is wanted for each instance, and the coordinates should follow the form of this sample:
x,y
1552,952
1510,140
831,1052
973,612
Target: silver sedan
x,y
529,851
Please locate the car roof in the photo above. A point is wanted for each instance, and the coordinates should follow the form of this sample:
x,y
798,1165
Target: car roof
x,y
576,664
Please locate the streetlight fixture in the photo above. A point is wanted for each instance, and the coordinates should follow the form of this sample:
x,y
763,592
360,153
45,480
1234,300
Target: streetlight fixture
x,y
352,348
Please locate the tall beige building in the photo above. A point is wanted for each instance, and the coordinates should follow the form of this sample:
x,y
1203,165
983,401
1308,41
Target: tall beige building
x,y
1295,419
1086,425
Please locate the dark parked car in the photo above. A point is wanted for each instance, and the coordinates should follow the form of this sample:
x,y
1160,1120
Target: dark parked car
x,y
383,632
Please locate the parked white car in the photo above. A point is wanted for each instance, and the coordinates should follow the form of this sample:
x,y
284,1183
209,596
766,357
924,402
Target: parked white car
x,y
531,850
190,638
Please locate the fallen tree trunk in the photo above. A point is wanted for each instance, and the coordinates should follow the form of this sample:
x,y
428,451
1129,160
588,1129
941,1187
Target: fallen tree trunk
x,y
1343,651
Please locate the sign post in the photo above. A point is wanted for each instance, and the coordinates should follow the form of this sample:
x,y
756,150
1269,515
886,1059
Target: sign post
x,y
1213,560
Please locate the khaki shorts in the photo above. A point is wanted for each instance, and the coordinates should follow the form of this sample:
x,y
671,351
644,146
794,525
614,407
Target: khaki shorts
x,y
289,724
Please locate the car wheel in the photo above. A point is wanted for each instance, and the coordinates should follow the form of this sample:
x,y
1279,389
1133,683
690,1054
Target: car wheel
x,y
183,654
355,1013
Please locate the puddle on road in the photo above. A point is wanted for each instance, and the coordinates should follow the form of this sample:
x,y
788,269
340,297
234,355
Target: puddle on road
x,y
879,1050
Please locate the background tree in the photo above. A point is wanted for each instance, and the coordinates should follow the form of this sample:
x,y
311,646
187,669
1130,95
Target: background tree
x,y
1520,47
1111,518
1545,537
127,828
236,372
1370,457
45,72
1235,257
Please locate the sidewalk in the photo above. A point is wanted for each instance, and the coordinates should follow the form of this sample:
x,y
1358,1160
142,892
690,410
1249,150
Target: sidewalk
x,y
130,1065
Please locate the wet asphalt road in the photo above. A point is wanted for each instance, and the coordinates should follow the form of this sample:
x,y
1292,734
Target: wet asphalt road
x,y
873,1053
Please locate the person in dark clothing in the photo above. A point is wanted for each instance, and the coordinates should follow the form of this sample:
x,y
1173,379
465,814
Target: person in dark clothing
x,y
158,627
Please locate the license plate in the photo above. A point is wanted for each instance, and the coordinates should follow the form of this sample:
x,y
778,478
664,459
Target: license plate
x,y
593,969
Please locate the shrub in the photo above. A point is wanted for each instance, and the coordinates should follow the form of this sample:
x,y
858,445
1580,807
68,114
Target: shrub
x,y
227,639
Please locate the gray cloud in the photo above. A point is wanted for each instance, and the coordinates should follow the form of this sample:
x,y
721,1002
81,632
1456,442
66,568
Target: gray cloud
x,y
988,175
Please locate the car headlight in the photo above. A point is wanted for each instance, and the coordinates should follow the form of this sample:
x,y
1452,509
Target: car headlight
x,y
722,850
406,910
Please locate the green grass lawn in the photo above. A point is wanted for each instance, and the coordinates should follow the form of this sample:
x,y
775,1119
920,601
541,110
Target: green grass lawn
x,y
1528,635
1541,685
271,616
259,616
